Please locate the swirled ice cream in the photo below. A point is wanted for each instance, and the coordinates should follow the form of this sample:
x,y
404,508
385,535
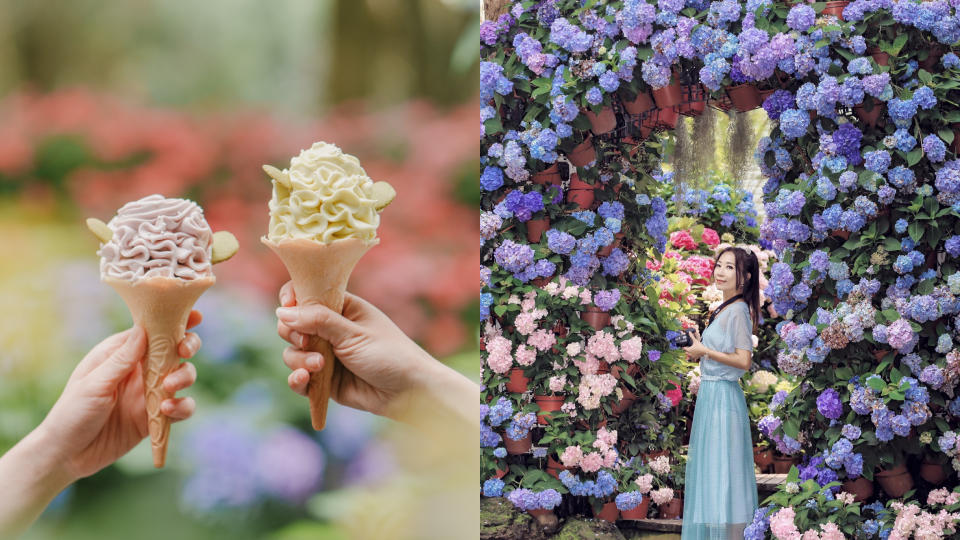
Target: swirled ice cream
x,y
325,196
157,237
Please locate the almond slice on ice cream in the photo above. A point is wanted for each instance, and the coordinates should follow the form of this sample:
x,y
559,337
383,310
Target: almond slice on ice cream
x,y
225,245
100,230
383,193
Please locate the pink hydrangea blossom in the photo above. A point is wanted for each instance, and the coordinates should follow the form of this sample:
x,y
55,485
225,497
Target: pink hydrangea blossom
x,y
558,383
587,366
654,265
810,535
662,496
631,349
571,456
683,240
542,340
660,465
610,458
845,498
591,462
574,349
710,237
593,388
605,438
569,409
831,532
586,297
552,288
525,323
644,483
782,526
675,394
525,355
602,345
500,358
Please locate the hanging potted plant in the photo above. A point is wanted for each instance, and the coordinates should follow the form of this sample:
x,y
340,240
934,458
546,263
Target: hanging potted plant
x,y
549,175
517,438
636,100
933,468
634,482
537,493
517,381
894,479
581,193
581,151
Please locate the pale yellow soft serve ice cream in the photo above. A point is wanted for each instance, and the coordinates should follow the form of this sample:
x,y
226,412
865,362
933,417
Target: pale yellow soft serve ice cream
x,y
325,196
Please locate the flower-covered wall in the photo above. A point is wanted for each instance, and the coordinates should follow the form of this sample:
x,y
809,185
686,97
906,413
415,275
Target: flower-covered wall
x,y
862,205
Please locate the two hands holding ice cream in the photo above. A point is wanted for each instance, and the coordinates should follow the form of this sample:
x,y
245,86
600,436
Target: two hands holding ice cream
x,y
157,253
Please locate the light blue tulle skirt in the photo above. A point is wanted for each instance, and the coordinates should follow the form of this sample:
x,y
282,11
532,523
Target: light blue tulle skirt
x,y
721,487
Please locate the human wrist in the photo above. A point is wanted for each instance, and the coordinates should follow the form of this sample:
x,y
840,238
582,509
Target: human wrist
x,y
49,463
439,392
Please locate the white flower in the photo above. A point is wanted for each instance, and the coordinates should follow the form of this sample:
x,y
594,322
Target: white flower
x,y
762,380
660,465
791,488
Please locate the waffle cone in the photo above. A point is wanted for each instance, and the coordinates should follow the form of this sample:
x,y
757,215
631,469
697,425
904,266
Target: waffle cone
x,y
320,273
160,306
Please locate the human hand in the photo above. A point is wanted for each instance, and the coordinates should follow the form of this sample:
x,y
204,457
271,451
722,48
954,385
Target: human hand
x,y
379,365
101,413
696,349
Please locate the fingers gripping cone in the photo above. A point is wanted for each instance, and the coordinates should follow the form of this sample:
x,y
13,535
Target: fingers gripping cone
x,y
160,306
320,273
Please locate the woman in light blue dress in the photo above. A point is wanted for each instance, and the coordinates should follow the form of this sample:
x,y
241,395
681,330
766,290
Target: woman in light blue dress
x,y
721,488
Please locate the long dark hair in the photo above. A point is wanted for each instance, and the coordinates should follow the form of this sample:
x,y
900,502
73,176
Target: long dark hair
x,y
746,263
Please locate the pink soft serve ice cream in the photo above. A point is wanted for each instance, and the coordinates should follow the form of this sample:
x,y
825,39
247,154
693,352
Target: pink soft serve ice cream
x,y
157,237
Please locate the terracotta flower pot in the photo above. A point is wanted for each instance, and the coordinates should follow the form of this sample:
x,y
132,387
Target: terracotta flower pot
x,y
580,192
764,94
554,467
603,367
935,473
608,512
955,145
536,228
835,9
518,383
744,97
880,57
650,456
878,354
673,509
518,447
603,122
583,153
668,118
501,472
841,234
763,457
896,481
639,512
861,489
547,404
782,464
550,175
872,116
936,52
618,408
542,281
669,96
539,512
596,318
642,104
